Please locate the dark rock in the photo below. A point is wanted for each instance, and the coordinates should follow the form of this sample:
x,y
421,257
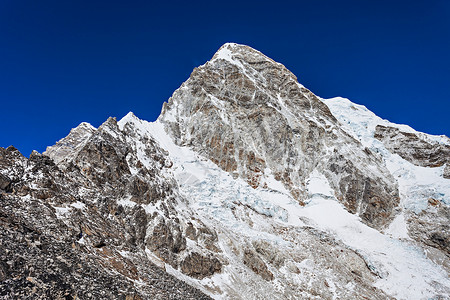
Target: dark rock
x,y
4,182
432,226
100,244
4,271
199,266
71,228
191,232
254,262
413,147
166,240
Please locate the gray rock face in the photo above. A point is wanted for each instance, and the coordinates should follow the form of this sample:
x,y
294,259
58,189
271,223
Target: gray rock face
x,y
447,171
250,116
71,143
432,227
47,261
252,260
103,157
199,266
4,182
414,148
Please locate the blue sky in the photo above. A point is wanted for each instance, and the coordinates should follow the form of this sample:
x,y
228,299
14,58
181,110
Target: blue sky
x,y
65,62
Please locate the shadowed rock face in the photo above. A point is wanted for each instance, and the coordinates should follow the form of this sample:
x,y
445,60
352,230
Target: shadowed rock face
x,y
414,148
42,258
199,266
432,227
4,182
253,261
250,116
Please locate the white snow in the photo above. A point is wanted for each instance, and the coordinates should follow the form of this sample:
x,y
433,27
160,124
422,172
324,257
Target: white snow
x,y
126,202
317,183
61,211
405,271
398,228
361,122
82,240
78,204
274,184
86,124
225,53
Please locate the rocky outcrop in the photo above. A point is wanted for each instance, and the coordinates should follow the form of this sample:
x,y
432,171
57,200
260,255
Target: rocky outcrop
x,y
431,226
199,266
414,147
4,182
71,143
261,121
12,165
166,241
103,157
254,262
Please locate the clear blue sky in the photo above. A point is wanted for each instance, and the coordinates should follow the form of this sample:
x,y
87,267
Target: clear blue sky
x,y
65,62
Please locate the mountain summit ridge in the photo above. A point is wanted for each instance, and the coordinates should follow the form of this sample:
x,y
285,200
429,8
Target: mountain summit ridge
x,y
248,186
252,91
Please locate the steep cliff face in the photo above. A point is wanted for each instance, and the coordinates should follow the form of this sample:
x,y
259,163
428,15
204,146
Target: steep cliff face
x,y
415,147
68,146
250,116
248,186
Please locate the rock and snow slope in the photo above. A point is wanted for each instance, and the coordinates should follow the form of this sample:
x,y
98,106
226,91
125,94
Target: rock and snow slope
x,y
248,186
401,268
249,115
425,191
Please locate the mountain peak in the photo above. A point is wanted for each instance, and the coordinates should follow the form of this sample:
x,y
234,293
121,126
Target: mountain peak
x,y
128,117
261,121
85,125
233,47
240,54
67,146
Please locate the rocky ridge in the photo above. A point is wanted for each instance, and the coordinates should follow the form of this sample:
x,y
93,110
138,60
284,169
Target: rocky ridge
x,y
66,233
